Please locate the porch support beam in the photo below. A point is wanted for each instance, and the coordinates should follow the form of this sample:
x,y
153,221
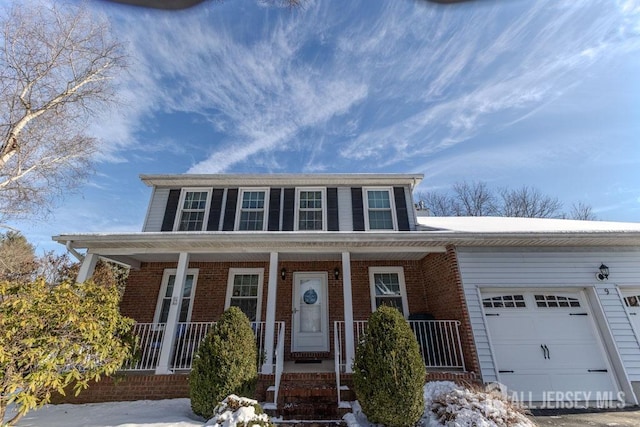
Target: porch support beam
x,y
349,341
87,268
169,338
270,320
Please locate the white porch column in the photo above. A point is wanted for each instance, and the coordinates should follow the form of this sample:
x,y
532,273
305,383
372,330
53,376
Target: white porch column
x,y
87,268
174,313
349,341
270,320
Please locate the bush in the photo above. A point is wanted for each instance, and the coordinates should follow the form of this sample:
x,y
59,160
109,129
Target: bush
x,y
448,404
388,371
57,338
224,364
239,412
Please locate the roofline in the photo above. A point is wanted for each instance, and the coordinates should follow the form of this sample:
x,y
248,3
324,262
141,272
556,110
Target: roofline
x,y
425,239
250,180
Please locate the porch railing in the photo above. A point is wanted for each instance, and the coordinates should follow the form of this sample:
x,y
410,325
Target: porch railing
x,y
189,335
438,340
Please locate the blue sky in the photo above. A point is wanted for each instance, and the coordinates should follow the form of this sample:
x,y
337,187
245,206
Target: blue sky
x,y
510,92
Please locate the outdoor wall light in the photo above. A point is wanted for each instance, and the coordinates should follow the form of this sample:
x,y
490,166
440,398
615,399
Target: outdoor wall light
x,y
336,273
283,273
603,274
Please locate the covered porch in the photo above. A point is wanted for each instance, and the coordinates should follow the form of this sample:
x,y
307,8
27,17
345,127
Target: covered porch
x,y
314,295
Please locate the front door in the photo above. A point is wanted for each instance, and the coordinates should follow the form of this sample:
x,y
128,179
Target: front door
x,y
310,328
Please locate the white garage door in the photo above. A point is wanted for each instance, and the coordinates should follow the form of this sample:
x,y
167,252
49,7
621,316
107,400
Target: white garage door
x,y
545,342
632,301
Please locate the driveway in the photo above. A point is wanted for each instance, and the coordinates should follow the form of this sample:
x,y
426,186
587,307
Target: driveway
x,y
581,418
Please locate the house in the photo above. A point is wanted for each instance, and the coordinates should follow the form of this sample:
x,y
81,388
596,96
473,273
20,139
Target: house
x,y
308,257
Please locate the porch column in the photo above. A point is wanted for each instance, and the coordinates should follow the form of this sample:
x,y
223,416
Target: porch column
x,y
349,342
87,268
170,328
270,320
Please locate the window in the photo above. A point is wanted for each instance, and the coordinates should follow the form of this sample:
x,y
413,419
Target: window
x,y
244,290
311,208
194,204
380,212
251,212
504,301
632,301
551,301
388,288
166,292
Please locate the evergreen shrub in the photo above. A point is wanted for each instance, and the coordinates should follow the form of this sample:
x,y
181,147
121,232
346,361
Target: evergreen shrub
x,y
225,363
388,371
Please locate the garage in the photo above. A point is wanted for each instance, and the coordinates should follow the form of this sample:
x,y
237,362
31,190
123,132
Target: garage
x,y
546,347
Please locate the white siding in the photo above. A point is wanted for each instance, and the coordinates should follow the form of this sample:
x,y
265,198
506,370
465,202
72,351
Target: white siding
x,y
157,206
345,213
553,269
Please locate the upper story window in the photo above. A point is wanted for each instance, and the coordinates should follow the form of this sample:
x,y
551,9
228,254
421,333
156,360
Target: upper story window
x,y
244,290
380,209
388,288
252,208
311,208
166,294
194,204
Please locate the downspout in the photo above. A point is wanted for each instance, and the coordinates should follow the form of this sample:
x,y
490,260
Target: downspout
x,y
73,252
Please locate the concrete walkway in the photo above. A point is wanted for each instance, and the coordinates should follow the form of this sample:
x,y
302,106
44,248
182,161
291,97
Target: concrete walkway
x,y
583,418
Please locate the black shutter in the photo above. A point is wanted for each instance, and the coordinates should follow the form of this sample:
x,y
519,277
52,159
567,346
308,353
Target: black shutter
x,y
357,209
332,209
401,208
170,210
288,210
215,210
230,210
274,210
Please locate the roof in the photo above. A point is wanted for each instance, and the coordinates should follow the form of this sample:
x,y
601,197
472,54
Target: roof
x,y
485,224
258,180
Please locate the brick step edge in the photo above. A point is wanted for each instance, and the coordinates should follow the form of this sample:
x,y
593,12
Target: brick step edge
x,y
309,423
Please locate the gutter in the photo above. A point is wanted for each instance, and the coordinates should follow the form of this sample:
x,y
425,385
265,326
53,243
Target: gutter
x,y
73,252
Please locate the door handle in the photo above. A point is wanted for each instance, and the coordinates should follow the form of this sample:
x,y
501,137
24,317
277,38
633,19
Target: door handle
x,y
294,310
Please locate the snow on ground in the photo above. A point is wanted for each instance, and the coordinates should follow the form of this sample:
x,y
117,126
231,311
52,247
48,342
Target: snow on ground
x,y
452,404
142,413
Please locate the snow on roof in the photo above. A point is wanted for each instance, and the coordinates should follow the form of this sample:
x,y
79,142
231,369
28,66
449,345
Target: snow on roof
x,y
487,224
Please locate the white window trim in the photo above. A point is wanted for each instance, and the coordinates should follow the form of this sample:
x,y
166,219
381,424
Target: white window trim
x,y
183,194
163,289
232,273
403,289
265,217
392,203
296,218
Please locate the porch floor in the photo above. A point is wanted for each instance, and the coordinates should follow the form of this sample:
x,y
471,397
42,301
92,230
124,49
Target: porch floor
x,y
290,366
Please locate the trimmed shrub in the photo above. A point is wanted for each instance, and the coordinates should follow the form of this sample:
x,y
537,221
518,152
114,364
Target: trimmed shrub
x,y
225,363
388,371
239,412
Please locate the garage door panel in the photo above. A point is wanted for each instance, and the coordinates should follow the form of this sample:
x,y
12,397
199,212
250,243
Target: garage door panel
x,y
546,344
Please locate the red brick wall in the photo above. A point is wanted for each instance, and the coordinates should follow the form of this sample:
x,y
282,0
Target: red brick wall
x,y
130,387
433,285
443,289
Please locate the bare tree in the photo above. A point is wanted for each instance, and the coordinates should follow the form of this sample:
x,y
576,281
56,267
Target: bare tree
x,y
56,70
473,199
528,202
582,211
477,199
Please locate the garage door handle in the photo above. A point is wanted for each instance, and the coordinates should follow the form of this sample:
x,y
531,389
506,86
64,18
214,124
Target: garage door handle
x,y
505,372
578,314
492,314
545,351
598,370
